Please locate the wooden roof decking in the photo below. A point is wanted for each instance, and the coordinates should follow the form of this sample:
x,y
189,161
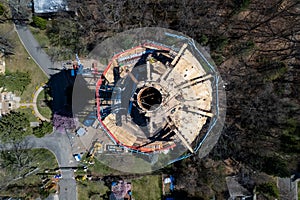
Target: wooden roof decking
x,y
186,79
190,80
120,133
187,55
188,123
114,62
129,139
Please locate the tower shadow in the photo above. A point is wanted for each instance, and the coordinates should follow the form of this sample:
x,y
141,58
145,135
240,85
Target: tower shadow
x,y
70,96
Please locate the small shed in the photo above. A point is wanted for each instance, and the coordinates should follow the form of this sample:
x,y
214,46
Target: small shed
x,y
236,190
34,124
80,132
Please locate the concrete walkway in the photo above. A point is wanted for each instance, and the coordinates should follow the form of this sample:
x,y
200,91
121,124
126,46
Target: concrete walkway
x,y
34,105
35,108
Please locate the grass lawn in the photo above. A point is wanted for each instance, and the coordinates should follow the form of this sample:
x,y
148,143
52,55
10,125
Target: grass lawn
x,y
147,188
42,107
101,169
29,114
92,190
45,159
98,168
19,61
41,37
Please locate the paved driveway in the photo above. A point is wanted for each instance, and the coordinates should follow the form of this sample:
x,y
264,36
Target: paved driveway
x,y
35,50
59,144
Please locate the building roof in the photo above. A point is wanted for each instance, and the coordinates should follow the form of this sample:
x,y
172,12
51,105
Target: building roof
x,y
8,101
235,188
49,6
287,188
81,131
34,124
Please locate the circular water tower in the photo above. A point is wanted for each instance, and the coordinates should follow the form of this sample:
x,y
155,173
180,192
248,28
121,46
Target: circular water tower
x,y
159,99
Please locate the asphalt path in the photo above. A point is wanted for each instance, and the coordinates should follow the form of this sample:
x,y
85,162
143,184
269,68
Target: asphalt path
x,y
34,49
56,142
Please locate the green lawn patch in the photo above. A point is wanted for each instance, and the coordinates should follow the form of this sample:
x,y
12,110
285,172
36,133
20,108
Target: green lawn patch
x,y
92,190
41,37
28,111
44,159
100,169
42,106
147,188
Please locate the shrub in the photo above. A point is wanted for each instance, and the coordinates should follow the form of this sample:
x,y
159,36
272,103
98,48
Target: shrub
x,y
39,22
244,48
217,58
43,129
2,9
203,40
241,5
218,43
269,189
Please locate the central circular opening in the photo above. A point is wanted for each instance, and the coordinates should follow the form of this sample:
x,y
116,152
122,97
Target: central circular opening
x,y
149,98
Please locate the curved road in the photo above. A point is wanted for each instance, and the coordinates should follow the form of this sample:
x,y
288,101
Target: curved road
x,y
58,143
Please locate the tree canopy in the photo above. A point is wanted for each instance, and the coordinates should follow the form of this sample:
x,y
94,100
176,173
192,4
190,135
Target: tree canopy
x,y
15,81
43,129
62,122
14,127
268,189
